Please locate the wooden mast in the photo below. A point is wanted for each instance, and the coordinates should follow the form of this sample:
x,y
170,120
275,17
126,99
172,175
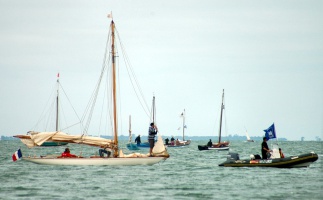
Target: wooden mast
x,y
154,109
222,107
114,98
57,103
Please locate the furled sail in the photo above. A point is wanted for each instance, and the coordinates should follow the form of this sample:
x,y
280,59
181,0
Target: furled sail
x,y
38,138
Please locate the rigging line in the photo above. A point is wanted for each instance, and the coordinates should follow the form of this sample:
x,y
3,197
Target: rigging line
x,y
50,116
95,93
69,126
134,79
214,130
97,85
109,94
93,104
225,118
102,108
120,106
44,109
70,104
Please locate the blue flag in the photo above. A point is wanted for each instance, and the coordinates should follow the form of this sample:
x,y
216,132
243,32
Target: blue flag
x,y
270,132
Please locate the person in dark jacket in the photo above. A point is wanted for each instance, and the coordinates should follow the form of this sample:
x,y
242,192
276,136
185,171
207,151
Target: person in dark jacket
x,y
166,141
209,144
138,140
264,148
151,136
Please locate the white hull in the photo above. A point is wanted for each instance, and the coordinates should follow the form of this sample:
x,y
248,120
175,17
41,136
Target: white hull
x,y
219,149
96,161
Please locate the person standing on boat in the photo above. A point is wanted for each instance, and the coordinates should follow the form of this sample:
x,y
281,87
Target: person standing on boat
x,y
172,141
264,148
151,136
281,153
138,140
166,141
209,144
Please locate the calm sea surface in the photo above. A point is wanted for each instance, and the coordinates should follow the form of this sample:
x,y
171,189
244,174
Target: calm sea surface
x,y
187,174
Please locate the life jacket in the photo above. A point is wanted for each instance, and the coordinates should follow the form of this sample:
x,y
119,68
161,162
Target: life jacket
x,y
68,155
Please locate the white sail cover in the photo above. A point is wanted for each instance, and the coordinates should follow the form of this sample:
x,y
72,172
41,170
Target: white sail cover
x,y
38,138
159,146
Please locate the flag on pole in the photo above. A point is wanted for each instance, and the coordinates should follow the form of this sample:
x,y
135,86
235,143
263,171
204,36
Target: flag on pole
x,y
57,75
270,132
16,155
110,15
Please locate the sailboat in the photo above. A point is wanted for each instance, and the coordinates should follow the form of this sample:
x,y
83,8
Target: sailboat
x,y
57,102
220,145
248,138
118,158
131,145
136,146
180,143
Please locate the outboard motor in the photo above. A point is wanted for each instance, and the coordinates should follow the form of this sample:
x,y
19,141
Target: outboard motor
x,y
255,157
233,156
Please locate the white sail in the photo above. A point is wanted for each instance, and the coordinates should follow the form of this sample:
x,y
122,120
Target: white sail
x,y
248,138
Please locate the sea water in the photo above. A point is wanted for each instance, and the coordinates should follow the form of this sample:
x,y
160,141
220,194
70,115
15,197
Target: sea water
x,y
187,174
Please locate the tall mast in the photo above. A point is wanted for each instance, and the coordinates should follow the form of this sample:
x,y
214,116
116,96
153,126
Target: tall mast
x,y
222,107
115,123
183,124
154,109
57,102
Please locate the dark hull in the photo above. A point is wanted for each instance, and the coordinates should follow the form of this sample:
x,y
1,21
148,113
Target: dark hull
x,y
303,160
53,144
205,147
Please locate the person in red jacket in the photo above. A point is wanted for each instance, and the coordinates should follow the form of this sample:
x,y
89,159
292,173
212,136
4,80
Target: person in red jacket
x,y
67,154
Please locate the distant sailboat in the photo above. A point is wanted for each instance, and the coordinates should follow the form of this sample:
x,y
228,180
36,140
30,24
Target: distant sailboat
x,y
220,145
57,102
248,138
135,145
131,145
181,143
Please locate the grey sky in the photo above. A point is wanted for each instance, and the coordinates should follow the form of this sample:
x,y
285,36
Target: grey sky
x,y
267,55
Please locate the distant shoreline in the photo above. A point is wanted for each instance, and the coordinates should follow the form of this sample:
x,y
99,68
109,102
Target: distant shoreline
x,y
197,138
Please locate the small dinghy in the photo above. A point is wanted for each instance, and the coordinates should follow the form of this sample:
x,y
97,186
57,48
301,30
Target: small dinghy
x,y
303,160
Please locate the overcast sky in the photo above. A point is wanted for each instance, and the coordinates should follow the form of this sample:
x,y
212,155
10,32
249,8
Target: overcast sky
x,y
266,55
